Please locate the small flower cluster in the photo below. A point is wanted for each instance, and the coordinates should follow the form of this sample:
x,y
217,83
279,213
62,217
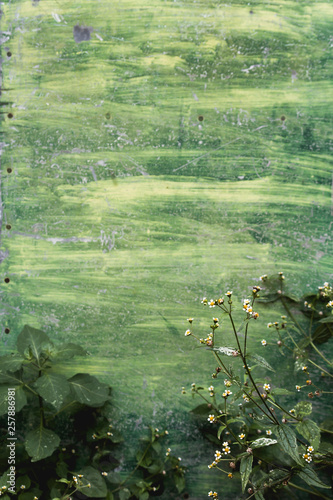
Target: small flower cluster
x,y
248,308
326,291
213,494
213,302
211,419
308,455
226,447
211,391
246,398
226,393
168,452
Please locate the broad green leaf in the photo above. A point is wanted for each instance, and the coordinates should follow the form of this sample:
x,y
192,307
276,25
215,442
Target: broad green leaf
x,y
87,390
310,477
68,351
124,494
34,339
245,469
201,410
10,379
53,388
261,442
225,350
323,333
179,482
144,495
310,430
269,297
97,483
287,439
3,399
20,398
260,361
41,443
303,408
280,391
10,363
23,481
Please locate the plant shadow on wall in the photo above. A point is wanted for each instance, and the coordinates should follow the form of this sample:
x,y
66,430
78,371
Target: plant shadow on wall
x,y
266,437
57,439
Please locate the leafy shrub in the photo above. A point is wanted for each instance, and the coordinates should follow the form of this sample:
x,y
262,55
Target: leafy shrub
x,y
262,439
57,440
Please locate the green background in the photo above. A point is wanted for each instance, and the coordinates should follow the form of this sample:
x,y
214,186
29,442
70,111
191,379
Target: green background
x,y
126,208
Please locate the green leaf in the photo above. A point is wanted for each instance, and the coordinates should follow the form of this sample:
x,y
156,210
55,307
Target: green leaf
x,y
41,443
245,469
259,496
98,487
20,397
144,495
261,442
87,390
23,481
322,333
68,351
179,482
34,339
53,388
310,477
287,439
303,408
225,350
290,297
10,379
260,361
201,409
270,297
10,363
328,319
124,494
310,430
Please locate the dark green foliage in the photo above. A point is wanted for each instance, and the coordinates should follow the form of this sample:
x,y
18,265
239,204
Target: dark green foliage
x,y
65,444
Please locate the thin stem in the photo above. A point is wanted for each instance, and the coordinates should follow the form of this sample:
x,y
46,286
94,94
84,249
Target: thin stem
x,y
249,372
133,471
313,492
246,393
285,305
282,409
320,353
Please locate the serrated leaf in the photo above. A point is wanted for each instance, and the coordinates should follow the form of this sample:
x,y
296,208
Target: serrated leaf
x,y
68,351
225,350
260,361
310,430
97,488
245,469
41,443
34,339
261,442
303,408
10,363
287,439
310,477
53,388
88,390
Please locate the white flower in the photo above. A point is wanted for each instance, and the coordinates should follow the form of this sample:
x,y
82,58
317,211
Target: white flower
x,y
264,342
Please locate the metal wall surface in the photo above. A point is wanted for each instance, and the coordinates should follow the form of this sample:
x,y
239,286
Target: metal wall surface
x,y
154,153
